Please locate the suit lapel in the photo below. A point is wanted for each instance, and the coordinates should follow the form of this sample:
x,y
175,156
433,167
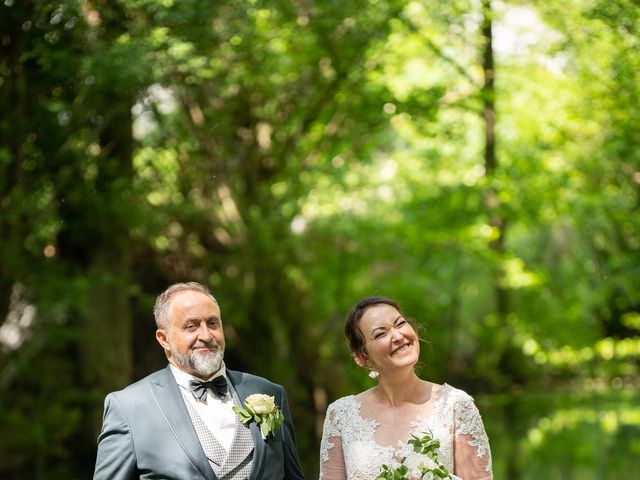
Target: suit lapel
x,y
244,389
167,396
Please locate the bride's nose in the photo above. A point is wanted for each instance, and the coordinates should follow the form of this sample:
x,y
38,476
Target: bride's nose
x,y
396,336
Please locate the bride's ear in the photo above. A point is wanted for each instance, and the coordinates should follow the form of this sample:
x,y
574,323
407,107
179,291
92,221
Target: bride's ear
x,y
360,359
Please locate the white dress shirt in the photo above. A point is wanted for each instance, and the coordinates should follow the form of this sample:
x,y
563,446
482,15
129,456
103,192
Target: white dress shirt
x,y
216,413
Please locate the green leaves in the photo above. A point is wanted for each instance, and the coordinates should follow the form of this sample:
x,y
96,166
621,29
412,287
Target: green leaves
x,y
421,463
425,445
388,473
261,409
271,423
245,415
296,156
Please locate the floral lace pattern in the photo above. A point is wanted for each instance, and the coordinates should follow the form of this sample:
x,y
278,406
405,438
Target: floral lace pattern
x,y
454,414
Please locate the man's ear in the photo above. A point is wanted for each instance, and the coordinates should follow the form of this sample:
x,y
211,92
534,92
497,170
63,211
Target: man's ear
x,y
161,336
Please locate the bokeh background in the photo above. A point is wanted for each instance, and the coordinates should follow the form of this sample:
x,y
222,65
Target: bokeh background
x,y
477,160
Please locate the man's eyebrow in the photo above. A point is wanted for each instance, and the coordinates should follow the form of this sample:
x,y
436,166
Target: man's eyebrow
x,y
208,319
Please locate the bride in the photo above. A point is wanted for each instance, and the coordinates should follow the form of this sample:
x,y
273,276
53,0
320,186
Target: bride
x,y
365,431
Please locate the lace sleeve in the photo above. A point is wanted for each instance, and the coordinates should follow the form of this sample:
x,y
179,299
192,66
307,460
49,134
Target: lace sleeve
x,y
332,465
472,455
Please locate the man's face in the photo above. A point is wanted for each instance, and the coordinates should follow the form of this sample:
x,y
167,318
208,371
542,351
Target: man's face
x,y
193,337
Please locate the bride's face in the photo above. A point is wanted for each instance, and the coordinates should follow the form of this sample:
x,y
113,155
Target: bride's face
x,y
390,341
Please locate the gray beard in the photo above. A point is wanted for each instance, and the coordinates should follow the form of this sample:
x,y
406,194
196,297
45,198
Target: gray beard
x,y
203,364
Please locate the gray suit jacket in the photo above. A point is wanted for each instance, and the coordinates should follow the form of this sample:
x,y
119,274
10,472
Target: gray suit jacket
x,y
147,433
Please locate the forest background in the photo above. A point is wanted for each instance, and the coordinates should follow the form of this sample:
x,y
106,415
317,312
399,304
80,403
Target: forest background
x,y
477,160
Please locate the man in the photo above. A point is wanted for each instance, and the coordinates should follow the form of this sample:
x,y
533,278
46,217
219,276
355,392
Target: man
x,y
170,425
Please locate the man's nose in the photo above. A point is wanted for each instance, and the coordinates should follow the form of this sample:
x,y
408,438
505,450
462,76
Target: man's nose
x,y
203,332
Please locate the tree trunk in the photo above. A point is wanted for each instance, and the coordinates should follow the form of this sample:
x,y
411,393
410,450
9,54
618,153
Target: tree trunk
x,y
496,219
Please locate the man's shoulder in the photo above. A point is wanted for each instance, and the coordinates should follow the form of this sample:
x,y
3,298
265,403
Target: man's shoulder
x,y
238,377
159,377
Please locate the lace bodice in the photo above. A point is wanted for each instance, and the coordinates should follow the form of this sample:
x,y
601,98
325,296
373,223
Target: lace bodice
x,y
349,449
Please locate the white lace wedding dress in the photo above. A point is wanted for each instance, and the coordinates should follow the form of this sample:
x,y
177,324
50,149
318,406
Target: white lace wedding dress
x,y
357,442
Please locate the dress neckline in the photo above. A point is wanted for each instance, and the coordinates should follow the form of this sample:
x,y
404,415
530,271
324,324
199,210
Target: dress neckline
x,y
416,422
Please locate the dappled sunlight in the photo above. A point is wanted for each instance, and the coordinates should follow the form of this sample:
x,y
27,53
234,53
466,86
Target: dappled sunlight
x,y
477,161
622,353
592,432
19,323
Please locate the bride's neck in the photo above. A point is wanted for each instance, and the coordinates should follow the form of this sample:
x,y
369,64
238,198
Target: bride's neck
x,y
400,388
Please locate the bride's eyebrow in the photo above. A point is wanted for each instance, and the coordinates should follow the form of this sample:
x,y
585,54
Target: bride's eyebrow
x,y
373,332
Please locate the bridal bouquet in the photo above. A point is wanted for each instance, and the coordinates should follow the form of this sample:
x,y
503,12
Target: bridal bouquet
x,y
421,463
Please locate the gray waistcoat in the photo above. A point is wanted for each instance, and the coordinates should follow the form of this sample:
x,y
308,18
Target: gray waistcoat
x,y
227,465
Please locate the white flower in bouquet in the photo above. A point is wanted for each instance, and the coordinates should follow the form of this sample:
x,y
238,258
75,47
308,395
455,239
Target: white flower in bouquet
x,y
421,464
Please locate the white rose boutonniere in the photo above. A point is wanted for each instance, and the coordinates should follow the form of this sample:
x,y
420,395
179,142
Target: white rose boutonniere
x,y
261,409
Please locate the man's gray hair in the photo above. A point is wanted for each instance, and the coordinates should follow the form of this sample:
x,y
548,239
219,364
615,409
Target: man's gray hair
x,y
163,302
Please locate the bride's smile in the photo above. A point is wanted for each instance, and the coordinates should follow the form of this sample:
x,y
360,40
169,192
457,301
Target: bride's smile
x,y
400,349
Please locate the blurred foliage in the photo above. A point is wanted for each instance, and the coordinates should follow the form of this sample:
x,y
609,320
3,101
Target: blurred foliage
x,y
296,156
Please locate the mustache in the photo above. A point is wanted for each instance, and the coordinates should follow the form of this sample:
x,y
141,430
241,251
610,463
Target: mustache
x,y
212,345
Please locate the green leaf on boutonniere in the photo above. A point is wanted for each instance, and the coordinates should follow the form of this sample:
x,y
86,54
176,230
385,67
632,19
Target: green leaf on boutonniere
x,y
244,415
261,409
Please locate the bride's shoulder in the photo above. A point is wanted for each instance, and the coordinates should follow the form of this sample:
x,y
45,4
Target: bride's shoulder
x,y
340,410
342,403
455,395
350,403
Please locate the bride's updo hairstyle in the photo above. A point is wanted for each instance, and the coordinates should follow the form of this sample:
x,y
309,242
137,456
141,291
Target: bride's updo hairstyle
x,y
352,327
